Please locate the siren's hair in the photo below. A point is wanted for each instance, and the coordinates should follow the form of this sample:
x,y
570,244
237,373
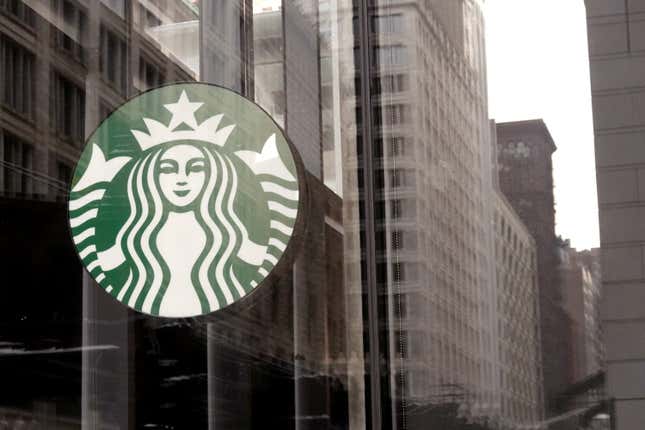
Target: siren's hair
x,y
212,275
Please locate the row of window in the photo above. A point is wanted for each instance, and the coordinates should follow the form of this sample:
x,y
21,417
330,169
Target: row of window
x,y
398,209
113,61
399,240
387,115
67,108
389,83
17,77
17,161
393,114
394,146
401,271
19,11
19,174
381,24
385,55
74,19
67,99
390,146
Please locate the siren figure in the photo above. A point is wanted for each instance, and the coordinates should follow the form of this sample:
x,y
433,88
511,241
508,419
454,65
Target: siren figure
x,y
182,247
174,194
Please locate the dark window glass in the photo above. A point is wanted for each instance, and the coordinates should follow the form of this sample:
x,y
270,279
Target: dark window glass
x,y
16,164
113,61
18,77
69,36
18,10
69,109
150,75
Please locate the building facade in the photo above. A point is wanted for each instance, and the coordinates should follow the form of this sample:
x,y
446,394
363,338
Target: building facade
x,y
595,346
616,50
520,339
581,289
526,180
83,59
413,298
434,201
427,118
521,396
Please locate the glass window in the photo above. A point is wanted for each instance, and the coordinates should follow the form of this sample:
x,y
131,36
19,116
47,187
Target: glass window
x,y
383,24
113,63
19,11
68,101
18,75
431,285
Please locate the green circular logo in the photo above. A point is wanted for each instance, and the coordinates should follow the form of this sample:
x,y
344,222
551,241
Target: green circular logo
x,y
184,200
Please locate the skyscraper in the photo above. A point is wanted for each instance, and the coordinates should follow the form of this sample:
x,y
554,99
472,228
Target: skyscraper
x,y
521,396
526,179
428,113
616,45
434,203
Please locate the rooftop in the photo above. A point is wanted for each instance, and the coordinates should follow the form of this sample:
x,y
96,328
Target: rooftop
x,y
529,125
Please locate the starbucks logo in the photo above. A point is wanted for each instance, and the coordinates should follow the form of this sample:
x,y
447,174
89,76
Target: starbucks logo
x,y
184,200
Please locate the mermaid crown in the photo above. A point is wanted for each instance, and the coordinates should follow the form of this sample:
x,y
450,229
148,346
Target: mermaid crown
x,y
183,112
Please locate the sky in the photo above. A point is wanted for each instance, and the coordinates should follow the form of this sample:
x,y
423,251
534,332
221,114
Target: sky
x,y
538,67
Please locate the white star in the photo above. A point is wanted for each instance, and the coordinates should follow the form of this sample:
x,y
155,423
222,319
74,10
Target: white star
x,y
183,112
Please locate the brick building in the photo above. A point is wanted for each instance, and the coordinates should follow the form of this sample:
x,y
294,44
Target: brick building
x,y
526,179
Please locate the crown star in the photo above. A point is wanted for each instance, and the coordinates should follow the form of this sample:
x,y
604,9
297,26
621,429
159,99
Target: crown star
x,y
183,112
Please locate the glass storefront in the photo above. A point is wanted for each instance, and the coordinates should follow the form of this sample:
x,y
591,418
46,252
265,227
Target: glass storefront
x,y
415,298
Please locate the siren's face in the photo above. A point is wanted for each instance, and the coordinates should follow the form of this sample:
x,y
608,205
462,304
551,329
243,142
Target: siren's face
x,y
182,174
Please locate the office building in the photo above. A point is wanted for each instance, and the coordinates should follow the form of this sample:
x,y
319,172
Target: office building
x,y
431,162
594,347
579,272
526,180
521,396
427,107
616,45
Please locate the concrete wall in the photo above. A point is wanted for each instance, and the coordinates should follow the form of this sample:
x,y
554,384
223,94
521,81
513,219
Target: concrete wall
x,y
617,60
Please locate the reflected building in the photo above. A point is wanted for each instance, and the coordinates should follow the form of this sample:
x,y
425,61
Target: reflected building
x,y
66,64
398,157
429,131
442,310
86,58
268,46
80,85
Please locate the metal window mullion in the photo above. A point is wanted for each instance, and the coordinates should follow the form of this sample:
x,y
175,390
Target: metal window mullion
x,y
369,220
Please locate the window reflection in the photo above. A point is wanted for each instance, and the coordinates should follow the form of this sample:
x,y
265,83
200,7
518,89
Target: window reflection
x,y
18,77
82,59
415,296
